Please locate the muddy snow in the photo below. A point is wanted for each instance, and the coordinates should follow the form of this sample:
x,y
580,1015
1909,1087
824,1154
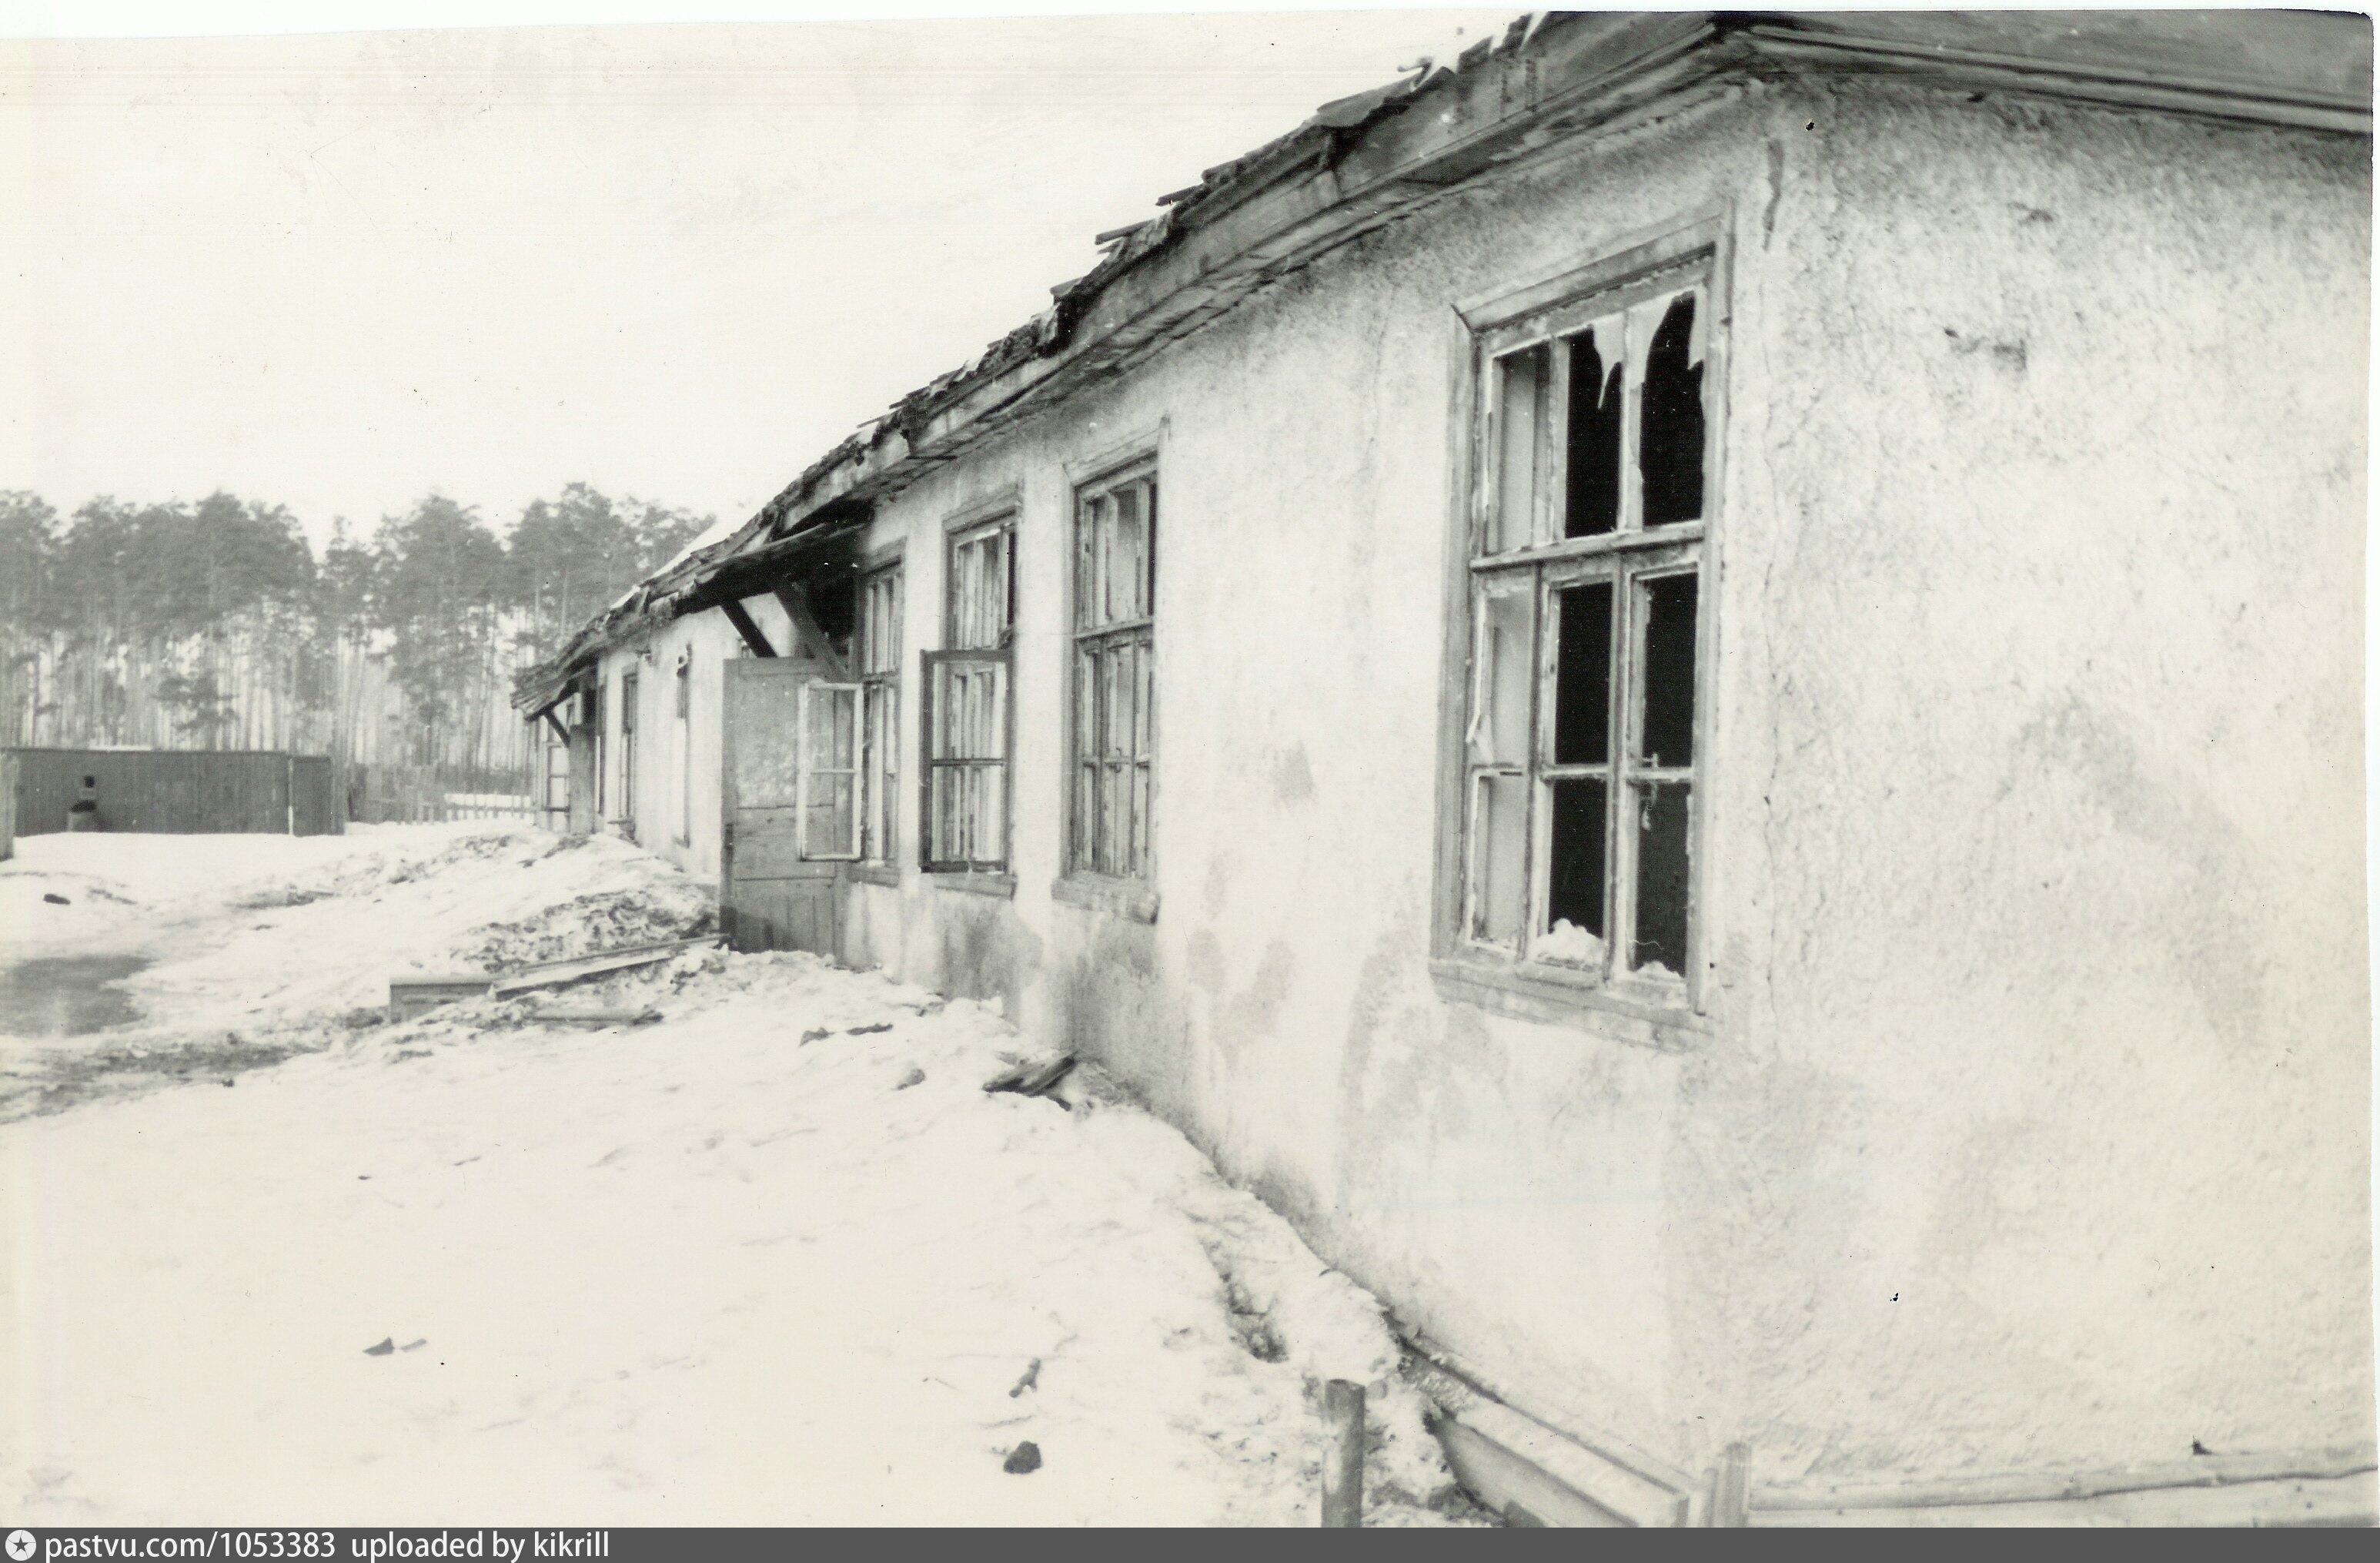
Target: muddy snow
x,y
776,1258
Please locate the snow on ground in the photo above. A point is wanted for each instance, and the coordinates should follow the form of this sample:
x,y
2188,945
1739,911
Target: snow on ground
x,y
259,943
718,1269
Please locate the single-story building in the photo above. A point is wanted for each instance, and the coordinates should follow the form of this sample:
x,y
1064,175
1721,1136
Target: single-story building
x,y
1693,685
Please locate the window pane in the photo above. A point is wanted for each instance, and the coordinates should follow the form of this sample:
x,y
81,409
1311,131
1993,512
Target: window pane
x,y
1672,439
1087,562
1668,734
939,786
827,827
1662,814
1149,546
817,735
1118,726
990,826
841,753
983,582
881,624
1500,850
1592,506
1582,676
1123,557
1103,822
1138,863
1575,875
1143,720
881,762
1522,395
1506,666
1007,618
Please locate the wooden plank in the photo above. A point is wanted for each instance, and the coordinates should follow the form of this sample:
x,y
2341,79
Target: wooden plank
x,y
595,1016
1514,1486
745,627
2334,1501
1512,1458
411,995
2201,1471
547,973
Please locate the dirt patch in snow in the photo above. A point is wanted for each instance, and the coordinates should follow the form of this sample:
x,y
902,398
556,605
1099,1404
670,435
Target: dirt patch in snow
x,y
72,1077
605,920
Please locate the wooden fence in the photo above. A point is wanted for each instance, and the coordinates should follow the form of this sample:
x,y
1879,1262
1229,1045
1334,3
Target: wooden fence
x,y
407,795
193,792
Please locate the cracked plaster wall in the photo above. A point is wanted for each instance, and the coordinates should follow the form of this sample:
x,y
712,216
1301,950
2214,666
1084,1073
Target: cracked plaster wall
x,y
2031,1129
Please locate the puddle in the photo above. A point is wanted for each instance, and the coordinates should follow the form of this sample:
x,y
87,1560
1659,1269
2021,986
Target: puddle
x,y
66,994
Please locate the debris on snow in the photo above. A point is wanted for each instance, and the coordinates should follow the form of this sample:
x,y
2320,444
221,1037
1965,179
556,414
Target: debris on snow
x,y
1024,1459
594,1017
1031,1079
553,973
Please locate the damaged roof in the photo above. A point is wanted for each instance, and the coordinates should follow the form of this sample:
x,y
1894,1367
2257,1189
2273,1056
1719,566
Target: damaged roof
x,y
1378,156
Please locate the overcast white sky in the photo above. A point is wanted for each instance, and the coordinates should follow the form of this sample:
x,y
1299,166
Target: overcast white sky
x,y
337,271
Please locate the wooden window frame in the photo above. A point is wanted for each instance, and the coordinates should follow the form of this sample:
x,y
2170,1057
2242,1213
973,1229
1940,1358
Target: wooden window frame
x,y
930,763
879,715
630,685
807,767
1695,252
1086,883
965,643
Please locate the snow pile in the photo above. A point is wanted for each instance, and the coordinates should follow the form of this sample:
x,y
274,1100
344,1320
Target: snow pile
x,y
778,1258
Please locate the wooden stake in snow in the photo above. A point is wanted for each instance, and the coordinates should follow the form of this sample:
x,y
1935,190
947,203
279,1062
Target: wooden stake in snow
x,y
1342,1456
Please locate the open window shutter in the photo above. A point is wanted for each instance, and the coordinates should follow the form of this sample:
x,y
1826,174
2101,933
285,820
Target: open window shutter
x,y
964,808
828,799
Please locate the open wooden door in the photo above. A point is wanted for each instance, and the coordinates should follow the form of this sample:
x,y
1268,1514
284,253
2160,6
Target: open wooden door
x,y
791,809
584,819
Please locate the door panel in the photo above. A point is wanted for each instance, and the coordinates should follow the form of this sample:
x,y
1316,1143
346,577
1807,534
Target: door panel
x,y
584,819
769,898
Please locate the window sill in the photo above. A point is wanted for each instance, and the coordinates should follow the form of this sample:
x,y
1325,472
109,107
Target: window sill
x,y
1003,885
876,873
1665,1023
1129,898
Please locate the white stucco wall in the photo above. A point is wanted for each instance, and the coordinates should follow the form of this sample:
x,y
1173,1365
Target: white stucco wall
x,y
2031,1130
661,789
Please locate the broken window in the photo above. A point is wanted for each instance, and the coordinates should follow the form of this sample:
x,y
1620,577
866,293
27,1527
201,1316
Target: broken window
x,y
964,808
1114,676
1580,755
880,724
